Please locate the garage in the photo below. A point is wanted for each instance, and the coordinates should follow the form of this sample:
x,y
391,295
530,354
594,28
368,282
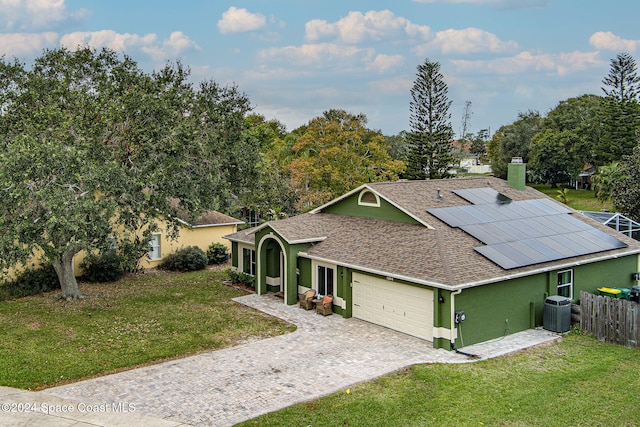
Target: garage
x,y
404,308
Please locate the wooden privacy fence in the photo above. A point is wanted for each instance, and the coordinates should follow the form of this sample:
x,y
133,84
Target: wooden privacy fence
x,y
610,319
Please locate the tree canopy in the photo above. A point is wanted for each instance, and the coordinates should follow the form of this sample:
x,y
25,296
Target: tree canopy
x,y
566,140
93,148
513,140
335,154
624,190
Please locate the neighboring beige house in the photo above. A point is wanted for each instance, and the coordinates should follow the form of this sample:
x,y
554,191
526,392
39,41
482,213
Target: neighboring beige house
x,y
205,230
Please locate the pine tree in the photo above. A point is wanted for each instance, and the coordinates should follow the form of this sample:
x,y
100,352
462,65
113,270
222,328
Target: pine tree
x,y
621,112
430,151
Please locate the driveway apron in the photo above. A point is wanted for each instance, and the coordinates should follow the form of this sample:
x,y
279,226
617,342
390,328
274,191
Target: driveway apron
x,y
324,355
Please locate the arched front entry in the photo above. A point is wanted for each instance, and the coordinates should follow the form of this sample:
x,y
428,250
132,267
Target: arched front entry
x,y
272,269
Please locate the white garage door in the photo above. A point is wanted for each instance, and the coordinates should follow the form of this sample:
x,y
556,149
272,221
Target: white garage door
x,y
404,308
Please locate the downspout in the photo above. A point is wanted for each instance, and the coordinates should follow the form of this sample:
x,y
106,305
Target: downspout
x,y
453,322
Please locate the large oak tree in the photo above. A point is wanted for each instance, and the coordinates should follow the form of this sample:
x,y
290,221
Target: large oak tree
x,y
93,148
336,153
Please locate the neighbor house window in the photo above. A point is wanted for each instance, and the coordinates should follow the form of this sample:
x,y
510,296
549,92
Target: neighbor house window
x,y
325,280
249,261
154,243
565,283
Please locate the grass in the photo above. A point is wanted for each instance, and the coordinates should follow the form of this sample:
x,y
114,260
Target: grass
x,y
578,381
120,325
582,200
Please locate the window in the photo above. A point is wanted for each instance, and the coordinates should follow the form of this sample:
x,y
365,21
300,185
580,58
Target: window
x,y
367,198
325,280
249,261
154,253
565,283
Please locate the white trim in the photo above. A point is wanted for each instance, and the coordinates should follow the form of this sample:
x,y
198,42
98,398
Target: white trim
x,y
183,222
150,253
284,279
454,330
274,281
477,283
314,279
241,249
375,204
310,240
216,225
374,271
291,242
569,284
363,186
442,332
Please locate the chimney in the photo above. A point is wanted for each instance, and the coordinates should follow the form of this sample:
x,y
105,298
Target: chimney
x,y
517,174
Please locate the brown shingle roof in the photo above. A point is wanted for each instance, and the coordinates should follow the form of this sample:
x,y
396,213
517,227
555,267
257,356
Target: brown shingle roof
x,y
213,218
442,256
209,218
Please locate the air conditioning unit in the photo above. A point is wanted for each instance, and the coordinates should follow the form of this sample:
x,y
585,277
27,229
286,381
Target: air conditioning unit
x,y
557,314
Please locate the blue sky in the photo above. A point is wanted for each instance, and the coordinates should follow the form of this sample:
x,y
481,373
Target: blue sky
x,y
297,58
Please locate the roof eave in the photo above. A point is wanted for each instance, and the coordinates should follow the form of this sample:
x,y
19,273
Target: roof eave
x,y
360,188
217,225
473,284
548,268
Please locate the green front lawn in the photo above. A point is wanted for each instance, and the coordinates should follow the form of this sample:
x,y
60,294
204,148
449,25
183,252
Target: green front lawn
x,y
581,200
121,325
578,382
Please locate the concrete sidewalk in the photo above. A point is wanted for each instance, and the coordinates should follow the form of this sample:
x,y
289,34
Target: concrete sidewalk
x,y
224,387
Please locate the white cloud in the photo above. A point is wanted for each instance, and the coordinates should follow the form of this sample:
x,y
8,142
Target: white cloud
x,y
384,63
560,64
609,41
29,15
176,45
357,27
107,38
395,86
24,44
325,55
469,40
236,20
329,56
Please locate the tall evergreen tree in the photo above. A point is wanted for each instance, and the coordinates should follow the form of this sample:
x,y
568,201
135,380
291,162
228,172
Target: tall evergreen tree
x,y
621,112
430,151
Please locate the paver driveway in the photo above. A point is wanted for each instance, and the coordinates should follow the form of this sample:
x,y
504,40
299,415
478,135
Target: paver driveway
x,y
224,387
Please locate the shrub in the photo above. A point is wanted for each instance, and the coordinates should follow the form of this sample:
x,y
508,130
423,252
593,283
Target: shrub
x,y
33,282
130,252
217,253
233,275
241,278
190,258
247,280
103,267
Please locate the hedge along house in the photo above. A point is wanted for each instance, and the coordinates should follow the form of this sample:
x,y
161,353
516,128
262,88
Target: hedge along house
x,y
414,255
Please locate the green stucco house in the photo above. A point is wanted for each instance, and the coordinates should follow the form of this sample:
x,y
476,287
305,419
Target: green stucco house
x,y
413,255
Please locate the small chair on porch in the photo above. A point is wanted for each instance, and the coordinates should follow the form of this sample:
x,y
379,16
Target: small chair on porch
x,y
307,301
325,307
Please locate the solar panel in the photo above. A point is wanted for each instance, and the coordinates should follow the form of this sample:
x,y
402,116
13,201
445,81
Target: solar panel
x,y
524,232
478,196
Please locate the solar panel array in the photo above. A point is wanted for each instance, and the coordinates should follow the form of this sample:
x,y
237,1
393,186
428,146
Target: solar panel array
x,y
526,232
